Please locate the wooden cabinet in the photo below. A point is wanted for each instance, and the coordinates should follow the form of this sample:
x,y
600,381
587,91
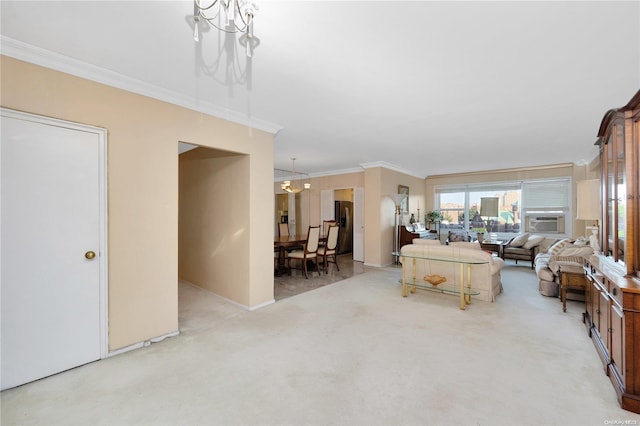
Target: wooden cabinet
x,y
406,237
612,303
619,142
612,317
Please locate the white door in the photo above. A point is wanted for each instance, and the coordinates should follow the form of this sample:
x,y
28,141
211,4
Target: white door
x,y
53,292
358,224
327,205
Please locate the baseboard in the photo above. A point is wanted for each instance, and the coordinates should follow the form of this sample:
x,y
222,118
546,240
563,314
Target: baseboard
x,y
233,302
142,344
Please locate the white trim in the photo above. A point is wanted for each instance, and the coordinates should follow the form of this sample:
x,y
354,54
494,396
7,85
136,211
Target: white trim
x,y
46,58
142,344
363,166
262,305
390,167
233,302
103,208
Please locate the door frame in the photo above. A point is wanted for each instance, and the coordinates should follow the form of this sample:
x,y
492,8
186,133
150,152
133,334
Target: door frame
x,y
327,212
102,220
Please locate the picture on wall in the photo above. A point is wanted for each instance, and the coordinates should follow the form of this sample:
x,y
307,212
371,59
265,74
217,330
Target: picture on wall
x,y
404,204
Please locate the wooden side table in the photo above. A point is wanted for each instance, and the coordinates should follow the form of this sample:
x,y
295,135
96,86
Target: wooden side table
x,y
495,246
571,282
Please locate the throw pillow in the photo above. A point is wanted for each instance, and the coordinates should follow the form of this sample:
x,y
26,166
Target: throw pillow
x,y
546,244
581,242
533,241
555,249
519,240
573,250
453,237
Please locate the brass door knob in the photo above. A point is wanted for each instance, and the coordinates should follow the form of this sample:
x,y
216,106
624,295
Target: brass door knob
x,y
89,255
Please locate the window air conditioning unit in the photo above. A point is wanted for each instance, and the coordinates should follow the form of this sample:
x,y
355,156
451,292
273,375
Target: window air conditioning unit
x,y
545,224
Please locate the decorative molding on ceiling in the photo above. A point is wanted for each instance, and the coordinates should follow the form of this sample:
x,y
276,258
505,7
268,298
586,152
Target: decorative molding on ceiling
x,y
390,167
280,174
46,58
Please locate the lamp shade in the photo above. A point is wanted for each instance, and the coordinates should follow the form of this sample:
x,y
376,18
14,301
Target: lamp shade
x,y
489,206
397,198
588,207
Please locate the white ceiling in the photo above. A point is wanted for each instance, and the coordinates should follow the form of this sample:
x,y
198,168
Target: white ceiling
x,y
424,87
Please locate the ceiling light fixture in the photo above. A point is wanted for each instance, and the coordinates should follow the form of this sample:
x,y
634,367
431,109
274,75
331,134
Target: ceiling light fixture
x,y
230,16
290,185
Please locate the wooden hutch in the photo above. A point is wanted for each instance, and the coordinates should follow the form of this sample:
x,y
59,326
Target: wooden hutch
x,y
612,313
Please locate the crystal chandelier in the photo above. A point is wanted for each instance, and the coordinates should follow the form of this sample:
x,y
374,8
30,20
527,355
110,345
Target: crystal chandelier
x,y
230,16
290,185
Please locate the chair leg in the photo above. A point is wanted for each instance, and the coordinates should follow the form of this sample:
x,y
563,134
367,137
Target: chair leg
x,y
317,267
335,260
304,267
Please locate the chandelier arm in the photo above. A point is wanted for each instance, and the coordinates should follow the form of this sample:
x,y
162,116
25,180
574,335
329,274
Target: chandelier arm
x,y
237,30
241,15
236,7
213,3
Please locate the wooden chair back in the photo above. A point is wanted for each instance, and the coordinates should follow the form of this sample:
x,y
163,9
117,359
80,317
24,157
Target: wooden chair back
x,y
332,238
325,226
313,238
283,229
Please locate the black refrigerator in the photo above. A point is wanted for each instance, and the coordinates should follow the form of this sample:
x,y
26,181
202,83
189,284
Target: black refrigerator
x,y
344,216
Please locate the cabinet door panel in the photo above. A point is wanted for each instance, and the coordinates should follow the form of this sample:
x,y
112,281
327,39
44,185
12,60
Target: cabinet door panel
x,y
595,301
604,320
617,335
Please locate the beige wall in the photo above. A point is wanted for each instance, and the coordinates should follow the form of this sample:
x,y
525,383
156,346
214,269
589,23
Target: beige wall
x,y
389,181
143,135
308,202
574,171
378,184
205,246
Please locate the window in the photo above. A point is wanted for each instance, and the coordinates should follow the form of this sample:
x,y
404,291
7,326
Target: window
x,y
461,205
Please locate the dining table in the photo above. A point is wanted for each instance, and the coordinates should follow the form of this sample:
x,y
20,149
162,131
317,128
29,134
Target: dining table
x,y
282,243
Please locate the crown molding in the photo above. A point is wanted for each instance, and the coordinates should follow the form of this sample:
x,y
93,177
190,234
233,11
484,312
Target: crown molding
x,y
46,58
498,171
337,172
389,166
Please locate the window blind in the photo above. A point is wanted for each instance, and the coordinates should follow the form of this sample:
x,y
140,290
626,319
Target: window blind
x,y
546,195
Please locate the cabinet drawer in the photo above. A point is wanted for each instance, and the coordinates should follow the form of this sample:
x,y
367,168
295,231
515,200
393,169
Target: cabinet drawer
x,y
616,294
574,280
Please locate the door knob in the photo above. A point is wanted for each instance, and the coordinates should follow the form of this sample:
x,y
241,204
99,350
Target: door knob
x,y
89,255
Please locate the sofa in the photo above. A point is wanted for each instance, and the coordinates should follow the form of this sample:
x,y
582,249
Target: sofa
x,y
562,254
485,278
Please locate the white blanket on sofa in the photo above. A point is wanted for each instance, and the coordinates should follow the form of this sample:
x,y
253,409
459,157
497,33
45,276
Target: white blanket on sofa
x,y
485,277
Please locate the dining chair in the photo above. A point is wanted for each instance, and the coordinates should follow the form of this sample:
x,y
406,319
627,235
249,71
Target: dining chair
x,y
325,226
283,229
328,252
325,231
310,251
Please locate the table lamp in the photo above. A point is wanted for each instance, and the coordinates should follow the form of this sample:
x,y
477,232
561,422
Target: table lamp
x,y
588,208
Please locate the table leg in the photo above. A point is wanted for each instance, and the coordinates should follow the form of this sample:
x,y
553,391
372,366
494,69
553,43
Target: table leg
x,y
404,279
281,268
413,287
467,298
463,303
563,293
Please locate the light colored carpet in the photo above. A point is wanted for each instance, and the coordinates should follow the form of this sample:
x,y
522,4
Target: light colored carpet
x,y
351,353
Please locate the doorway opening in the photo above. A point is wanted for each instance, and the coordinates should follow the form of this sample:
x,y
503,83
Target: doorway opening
x,y
213,217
